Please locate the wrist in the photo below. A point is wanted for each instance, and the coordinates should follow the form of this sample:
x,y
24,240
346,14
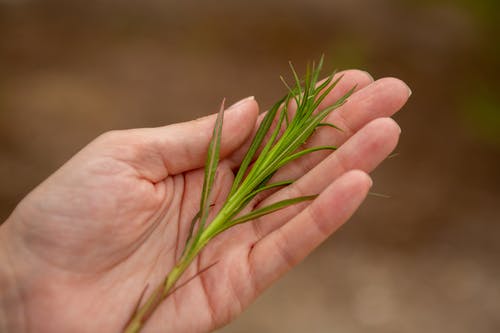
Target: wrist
x,y
12,317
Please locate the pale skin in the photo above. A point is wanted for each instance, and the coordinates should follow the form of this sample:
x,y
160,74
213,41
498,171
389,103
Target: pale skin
x,y
77,253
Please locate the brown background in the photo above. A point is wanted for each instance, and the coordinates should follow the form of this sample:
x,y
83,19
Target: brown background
x,y
425,260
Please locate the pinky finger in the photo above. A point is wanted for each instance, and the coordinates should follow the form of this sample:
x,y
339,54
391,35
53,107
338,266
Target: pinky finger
x,y
285,247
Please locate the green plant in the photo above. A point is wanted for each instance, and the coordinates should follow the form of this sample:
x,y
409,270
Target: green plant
x,y
283,146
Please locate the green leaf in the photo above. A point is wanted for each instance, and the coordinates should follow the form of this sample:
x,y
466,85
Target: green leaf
x,y
270,209
289,142
297,80
210,169
330,125
307,91
341,101
325,83
266,210
317,70
261,159
254,146
290,90
326,91
191,229
270,186
304,152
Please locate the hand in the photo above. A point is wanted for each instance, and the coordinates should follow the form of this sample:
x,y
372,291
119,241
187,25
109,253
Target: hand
x,y
78,251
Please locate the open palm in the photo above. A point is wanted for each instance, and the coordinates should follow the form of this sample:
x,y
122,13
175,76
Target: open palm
x,y
93,240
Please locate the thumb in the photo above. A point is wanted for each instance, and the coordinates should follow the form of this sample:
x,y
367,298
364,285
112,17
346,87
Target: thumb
x,y
158,152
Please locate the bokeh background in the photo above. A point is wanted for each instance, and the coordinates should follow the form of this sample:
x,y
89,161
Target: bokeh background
x,y
425,260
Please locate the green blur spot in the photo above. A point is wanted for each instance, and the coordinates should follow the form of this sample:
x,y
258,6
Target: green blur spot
x,y
481,113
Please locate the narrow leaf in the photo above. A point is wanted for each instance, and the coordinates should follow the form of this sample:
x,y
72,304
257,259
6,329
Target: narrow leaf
x,y
292,143
266,210
210,169
191,229
296,77
246,200
270,186
275,133
325,92
254,146
341,101
331,125
270,209
292,92
325,83
304,152
379,195
318,69
392,155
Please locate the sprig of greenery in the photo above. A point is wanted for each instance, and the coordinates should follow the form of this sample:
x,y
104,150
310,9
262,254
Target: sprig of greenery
x,y
291,131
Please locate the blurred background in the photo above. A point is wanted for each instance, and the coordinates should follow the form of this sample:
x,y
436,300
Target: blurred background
x,y
425,260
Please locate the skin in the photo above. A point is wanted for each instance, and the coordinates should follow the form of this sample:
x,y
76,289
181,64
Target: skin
x,y
79,250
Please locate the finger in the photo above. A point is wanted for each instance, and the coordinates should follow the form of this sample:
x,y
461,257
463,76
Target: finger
x,y
364,151
350,78
382,98
285,247
162,151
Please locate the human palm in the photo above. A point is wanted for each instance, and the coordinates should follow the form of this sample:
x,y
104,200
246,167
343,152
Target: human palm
x,y
91,242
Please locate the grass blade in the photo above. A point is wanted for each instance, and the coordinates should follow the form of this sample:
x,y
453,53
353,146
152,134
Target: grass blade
x,y
274,135
210,169
341,101
379,195
297,80
257,141
304,152
267,210
270,186
270,209
325,83
191,229
318,69
326,92
331,125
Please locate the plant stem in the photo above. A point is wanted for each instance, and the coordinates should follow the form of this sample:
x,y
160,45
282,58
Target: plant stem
x,y
161,292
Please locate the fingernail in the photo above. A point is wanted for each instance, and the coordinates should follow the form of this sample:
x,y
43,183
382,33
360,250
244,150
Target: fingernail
x,y
409,90
370,181
241,102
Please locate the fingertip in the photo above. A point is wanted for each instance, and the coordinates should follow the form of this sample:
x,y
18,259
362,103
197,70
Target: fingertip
x,y
245,110
348,79
356,77
369,76
397,89
240,120
385,125
343,196
240,103
359,178
351,188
